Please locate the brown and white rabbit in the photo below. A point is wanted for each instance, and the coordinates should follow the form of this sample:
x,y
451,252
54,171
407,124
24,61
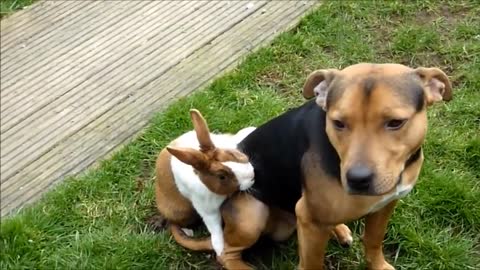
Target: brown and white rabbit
x,y
195,174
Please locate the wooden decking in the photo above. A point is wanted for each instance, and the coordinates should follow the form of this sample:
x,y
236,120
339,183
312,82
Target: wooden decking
x,y
80,78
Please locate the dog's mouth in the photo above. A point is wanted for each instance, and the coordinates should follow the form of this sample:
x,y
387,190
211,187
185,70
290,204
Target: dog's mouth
x,y
379,190
373,191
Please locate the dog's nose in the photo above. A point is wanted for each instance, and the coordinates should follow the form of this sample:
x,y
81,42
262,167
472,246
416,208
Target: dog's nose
x,y
359,177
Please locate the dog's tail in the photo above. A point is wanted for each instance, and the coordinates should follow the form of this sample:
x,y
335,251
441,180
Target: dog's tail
x,y
203,244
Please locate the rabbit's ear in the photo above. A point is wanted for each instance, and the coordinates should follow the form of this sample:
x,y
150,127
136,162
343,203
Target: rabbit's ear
x,y
202,131
189,156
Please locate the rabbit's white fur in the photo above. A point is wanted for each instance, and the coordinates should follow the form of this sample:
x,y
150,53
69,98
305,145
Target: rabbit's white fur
x,y
206,203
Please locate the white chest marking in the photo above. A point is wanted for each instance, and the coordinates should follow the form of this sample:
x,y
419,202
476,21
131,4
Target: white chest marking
x,y
400,192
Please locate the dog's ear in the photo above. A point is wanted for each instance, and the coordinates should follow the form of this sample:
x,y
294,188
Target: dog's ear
x,y
317,84
189,156
202,131
436,84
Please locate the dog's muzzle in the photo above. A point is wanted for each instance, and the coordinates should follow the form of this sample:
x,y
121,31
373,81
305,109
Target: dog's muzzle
x,y
359,179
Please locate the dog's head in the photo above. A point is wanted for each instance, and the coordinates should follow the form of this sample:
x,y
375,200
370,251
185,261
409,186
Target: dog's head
x,y
376,118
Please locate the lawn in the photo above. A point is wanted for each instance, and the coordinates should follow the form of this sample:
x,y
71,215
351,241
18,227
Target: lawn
x,y
104,219
7,7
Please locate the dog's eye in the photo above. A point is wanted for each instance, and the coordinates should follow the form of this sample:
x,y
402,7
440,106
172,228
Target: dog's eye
x,y
395,124
338,124
222,176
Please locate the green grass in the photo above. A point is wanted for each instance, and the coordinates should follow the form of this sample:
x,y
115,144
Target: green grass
x,y
7,7
101,220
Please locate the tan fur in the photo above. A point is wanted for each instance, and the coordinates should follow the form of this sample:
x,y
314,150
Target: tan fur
x,y
326,203
202,131
174,207
386,153
245,219
170,203
204,244
334,207
437,83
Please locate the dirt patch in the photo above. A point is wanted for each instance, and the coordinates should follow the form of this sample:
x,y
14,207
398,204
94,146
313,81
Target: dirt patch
x,y
144,176
451,14
392,251
272,79
156,223
331,262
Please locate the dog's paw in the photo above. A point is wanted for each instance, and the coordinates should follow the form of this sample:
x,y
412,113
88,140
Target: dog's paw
x,y
233,264
381,266
346,242
343,235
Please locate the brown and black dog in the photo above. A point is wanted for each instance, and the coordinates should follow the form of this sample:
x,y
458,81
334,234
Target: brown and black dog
x,y
352,152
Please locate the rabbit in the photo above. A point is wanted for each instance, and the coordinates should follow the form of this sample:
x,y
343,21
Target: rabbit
x,y
195,174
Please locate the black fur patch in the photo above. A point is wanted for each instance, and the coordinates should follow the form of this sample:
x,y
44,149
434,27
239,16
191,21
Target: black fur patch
x,y
417,97
414,157
410,89
276,149
368,86
335,92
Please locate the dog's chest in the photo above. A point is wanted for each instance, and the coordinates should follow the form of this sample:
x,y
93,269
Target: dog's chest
x,y
400,192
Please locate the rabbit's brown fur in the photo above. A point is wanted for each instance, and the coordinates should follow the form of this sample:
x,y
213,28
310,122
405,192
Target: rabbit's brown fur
x,y
178,188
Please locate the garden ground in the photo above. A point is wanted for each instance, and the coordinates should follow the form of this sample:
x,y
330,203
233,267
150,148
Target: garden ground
x,y
105,217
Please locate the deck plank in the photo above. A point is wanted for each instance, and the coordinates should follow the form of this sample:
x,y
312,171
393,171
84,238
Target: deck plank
x,y
110,108
24,24
97,93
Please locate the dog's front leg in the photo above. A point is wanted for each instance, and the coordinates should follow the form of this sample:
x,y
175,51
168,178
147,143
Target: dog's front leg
x,y
375,228
312,238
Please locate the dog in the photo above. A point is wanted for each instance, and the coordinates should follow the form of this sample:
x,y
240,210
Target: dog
x,y
350,153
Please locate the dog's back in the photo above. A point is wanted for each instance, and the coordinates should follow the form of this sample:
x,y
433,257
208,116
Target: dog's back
x,y
277,157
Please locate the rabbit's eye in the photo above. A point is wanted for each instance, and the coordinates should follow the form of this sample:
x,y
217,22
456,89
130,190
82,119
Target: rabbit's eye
x,y
222,176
